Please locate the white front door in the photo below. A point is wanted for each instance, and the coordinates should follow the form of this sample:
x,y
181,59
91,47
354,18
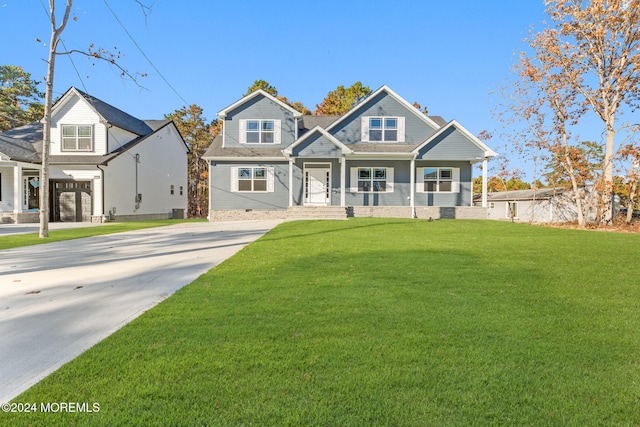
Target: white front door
x,y
317,186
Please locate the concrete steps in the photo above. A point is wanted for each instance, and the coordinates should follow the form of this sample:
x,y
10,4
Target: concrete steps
x,y
317,212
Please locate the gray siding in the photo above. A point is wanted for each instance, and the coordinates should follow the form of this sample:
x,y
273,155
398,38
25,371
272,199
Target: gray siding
x,y
463,198
451,145
416,130
259,108
401,191
317,145
221,196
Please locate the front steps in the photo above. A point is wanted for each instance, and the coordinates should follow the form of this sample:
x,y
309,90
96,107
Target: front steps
x,y
317,212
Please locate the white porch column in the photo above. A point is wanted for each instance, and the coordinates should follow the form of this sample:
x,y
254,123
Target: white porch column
x,y
18,189
290,181
343,177
412,192
484,183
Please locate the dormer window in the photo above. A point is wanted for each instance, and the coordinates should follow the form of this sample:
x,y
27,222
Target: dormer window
x,y
260,131
77,138
383,129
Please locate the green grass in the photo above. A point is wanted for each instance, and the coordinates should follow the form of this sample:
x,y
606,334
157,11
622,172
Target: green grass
x,y
18,240
379,322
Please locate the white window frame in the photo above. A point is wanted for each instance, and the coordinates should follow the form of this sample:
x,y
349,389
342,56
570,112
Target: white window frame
x,y
356,177
76,138
269,178
277,131
455,180
366,129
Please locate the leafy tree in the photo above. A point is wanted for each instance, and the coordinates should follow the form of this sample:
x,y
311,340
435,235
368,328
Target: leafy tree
x,y
595,45
264,85
198,134
271,90
19,98
341,100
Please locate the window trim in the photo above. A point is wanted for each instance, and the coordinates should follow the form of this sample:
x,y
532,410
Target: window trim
x,y
235,179
244,130
365,123
455,180
77,138
355,178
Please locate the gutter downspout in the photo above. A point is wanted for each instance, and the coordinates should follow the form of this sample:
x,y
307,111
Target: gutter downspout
x,y
102,215
413,187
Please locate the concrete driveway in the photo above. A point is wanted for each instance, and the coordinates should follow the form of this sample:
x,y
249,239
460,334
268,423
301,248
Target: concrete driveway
x,y
59,299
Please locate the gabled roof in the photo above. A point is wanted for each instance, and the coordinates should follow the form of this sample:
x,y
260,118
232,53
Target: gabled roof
x,y
321,131
488,152
223,113
217,152
393,95
17,150
108,113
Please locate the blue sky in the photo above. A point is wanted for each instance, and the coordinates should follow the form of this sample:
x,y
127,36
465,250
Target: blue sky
x,y
448,56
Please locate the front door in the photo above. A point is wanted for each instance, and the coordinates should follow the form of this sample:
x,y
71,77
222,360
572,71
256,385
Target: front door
x,y
318,186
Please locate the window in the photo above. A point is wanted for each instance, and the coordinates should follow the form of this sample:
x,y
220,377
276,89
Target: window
x,y
252,179
383,129
181,191
77,138
512,209
438,180
372,180
261,131
171,190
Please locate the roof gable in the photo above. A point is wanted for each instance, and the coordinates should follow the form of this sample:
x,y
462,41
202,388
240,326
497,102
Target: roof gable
x,y
384,89
317,142
223,113
108,113
468,146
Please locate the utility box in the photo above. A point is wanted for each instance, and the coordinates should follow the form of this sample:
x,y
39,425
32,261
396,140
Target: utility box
x,y
177,214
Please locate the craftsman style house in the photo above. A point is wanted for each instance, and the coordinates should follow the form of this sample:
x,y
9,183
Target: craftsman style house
x,y
104,165
382,158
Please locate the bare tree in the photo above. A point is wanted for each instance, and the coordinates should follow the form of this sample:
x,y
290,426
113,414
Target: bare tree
x,y
48,103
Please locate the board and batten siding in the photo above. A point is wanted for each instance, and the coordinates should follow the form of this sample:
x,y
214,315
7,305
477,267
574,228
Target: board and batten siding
x,y
221,196
401,184
460,198
383,105
259,108
77,112
163,163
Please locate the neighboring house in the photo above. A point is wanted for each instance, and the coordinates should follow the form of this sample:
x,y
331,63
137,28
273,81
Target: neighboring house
x,y
382,158
104,165
537,206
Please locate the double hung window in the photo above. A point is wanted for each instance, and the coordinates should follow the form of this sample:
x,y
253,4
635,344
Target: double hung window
x,y
77,138
252,179
372,180
260,131
439,180
382,129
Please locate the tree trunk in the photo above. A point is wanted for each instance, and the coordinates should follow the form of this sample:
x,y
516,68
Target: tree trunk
x,y
607,171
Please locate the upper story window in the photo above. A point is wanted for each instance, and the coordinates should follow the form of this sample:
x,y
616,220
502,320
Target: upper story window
x,y
77,138
260,131
383,129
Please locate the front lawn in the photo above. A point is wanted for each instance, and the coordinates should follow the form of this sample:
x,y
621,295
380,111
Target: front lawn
x,y
382,322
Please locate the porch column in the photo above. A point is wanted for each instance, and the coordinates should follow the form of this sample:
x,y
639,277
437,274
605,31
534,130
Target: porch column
x,y
343,175
412,182
290,181
484,183
17,189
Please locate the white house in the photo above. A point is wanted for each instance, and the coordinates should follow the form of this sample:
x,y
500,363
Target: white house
x,y
105,165
545,205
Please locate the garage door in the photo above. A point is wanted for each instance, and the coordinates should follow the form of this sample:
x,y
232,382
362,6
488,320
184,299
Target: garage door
x,y
72,201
